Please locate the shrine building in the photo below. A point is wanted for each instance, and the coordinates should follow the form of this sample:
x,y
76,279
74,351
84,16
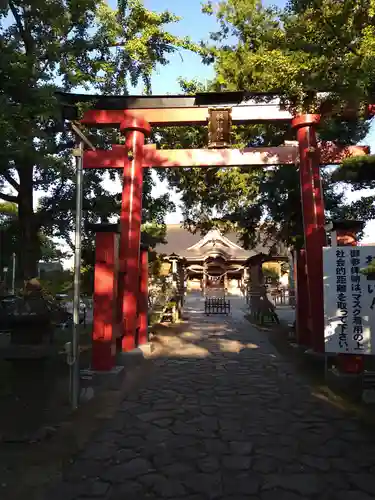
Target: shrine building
x,y
217,260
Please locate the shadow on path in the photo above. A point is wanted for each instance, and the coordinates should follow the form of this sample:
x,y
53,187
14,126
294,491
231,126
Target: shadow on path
x,y
223,416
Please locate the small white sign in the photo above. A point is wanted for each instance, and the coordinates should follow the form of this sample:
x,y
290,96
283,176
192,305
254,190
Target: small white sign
x,y
349,300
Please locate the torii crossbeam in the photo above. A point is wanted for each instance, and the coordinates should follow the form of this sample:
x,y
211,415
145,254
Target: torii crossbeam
x,y
134,115
330,154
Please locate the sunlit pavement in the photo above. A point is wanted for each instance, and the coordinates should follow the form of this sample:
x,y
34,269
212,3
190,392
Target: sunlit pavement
x,y
223,416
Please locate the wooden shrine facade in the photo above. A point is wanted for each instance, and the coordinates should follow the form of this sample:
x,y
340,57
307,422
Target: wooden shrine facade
x,y
135,116
215,260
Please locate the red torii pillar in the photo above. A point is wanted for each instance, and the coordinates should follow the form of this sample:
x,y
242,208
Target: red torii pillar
x,y
314,227
134,130
105,326
303,334
143,299
107,314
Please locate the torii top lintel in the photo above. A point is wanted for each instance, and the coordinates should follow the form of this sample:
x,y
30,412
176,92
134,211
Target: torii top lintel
x,y
174,110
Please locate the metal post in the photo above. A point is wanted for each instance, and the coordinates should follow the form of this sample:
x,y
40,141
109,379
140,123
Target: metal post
x,y
75,378
13,273
5,271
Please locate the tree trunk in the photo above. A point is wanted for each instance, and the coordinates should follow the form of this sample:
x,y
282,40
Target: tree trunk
x,y
28,249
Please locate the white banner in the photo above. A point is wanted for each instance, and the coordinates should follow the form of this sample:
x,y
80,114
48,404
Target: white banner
x,y
349,300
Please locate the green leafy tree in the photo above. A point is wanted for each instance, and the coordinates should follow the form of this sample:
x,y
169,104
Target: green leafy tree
x,y
10,243
324,46
67,45
357,171
309,46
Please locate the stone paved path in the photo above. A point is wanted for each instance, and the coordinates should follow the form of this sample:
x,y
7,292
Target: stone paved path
x,y
223,417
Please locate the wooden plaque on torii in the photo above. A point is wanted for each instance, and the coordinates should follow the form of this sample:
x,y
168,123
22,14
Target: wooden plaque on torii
x,y
219,127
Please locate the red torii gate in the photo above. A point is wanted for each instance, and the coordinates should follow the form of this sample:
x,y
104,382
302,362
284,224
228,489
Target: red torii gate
x,y
135,115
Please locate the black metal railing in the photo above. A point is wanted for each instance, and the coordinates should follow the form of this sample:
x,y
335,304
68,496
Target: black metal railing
x,y
216,305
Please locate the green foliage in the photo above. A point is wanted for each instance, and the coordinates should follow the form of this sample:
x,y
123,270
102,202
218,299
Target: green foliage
x,y
285,268
8,212
57,282
269,272
50,250
87,280
358,171
9,240
152,234
320,45
67,45
324,46
370,269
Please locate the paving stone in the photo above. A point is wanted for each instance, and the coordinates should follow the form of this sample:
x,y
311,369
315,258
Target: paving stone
x,y
236,462
189,453
178,470
281,452
303,484
153,415
337,480
99,489
130,470
123,455
159,435
128,405
244,484
99,451
68,491
353,495
131,490
85,497
331,449
316,462
265,465
163,422
194,497
162,457
208,464
365,482
278,494
209,410
216,446
84,468
240,447
208,484
151,479
130,441
241,497
170,489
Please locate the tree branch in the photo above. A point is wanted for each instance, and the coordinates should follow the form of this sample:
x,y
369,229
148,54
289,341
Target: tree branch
x,y
27,39
333,29
10,180
68,48
69,241
8,197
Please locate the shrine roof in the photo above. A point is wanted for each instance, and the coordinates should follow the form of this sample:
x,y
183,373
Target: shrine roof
x,y
190,246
